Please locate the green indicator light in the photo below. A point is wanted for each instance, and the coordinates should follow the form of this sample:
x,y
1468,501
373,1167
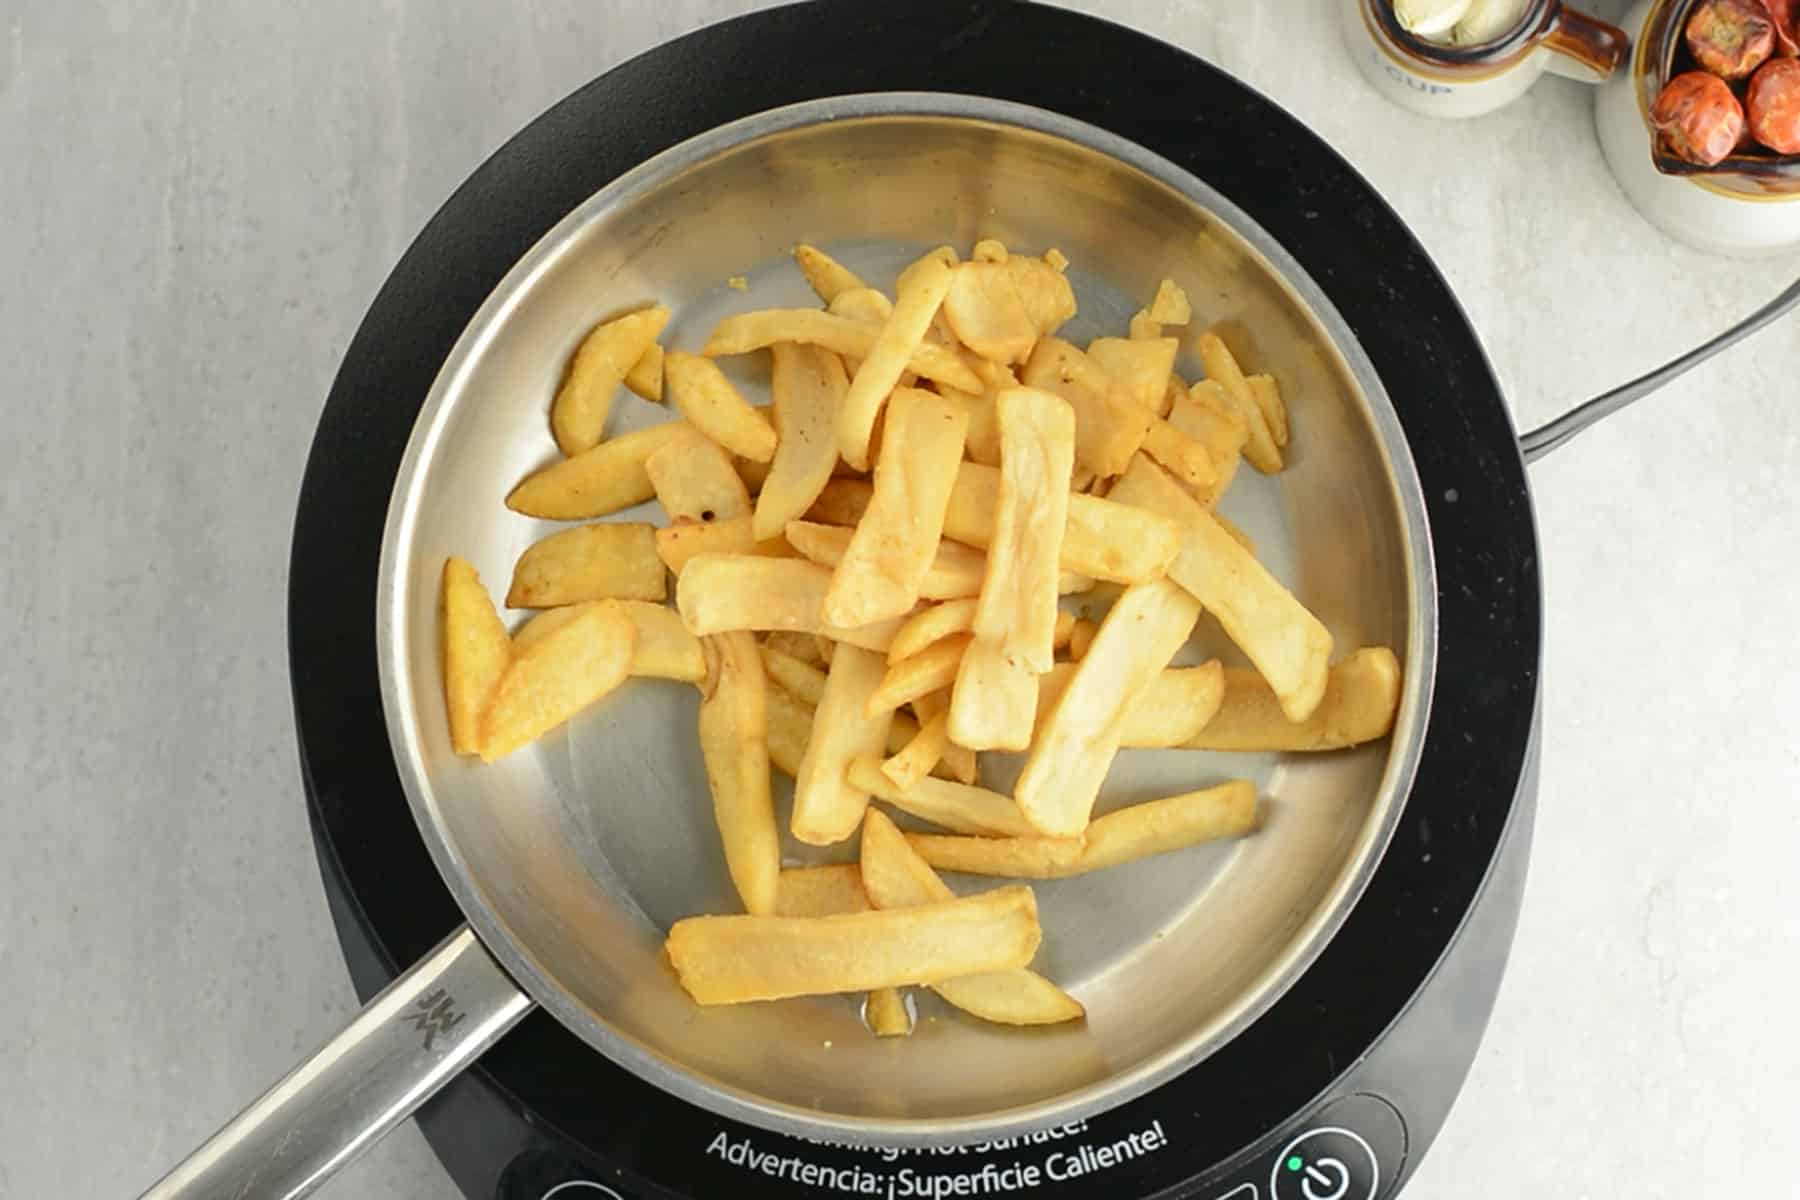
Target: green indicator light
x,y
1294,1163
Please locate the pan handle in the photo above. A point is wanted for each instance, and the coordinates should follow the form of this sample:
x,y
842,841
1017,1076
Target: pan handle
x,y
1546,438
420,1032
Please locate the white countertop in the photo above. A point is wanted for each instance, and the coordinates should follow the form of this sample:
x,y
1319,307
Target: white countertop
x,y
199,207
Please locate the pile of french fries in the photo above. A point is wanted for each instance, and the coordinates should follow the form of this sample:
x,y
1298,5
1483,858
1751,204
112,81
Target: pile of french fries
x,y
868,583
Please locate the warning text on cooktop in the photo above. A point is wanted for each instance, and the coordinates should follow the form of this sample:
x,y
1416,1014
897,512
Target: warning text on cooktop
x,y
1018,1164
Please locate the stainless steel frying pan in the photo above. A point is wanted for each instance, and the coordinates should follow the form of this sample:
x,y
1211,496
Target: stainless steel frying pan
x,y
571,858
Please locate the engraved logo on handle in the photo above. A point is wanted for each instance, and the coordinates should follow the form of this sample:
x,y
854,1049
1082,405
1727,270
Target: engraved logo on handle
x,y
435,1013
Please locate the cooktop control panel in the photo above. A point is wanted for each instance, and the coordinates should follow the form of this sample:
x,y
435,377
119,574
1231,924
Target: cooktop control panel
x,y
1354,1148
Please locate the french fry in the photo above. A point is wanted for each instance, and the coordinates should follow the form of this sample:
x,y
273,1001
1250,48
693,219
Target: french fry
x,y
1048,298
1260,449
734,745
745,332
475,652
931,625
1141,366
837,888
897,539
803,647
809,385
1103,540
1059,638
1109,424
1031,857
1017,605
915,760
865,304
843,502
547,622
821,891
1362,696
982,442
613,560
694,481
790,728
1122,836
1185,458
959,807
557,676
988,250
1237,535
646,375
710,403
676,544
804,680
598,482
1171,711
930,670
1144,327
739,958
663,648
917,296
1170,306
1280,637
1205,415
955,573
987,314
1081,637
897,878
578,414
719,592
827,806
957,762
1267,394
886,1015
753,473
824,274
994,700
1079,738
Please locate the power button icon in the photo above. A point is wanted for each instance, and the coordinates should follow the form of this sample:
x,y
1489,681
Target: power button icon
x,y
1329,1163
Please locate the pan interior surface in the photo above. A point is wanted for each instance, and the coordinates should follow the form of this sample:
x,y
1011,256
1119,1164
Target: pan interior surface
x,y
573,856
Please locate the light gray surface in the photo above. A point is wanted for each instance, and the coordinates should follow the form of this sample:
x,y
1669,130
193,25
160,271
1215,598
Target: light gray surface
x,y
200,202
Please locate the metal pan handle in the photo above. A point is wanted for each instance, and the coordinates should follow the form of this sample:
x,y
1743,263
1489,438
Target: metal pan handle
x,y
1546,438
420,1032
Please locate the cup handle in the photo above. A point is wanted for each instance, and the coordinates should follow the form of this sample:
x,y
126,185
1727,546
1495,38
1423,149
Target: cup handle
x,y
1585,49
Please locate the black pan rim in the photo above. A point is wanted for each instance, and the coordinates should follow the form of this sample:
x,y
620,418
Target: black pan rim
x,y
1439,378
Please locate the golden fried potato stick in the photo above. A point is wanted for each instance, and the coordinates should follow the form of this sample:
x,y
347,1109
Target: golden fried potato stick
x,y
1078,740
809,385
696,481
824,274
960,807
740,958
598,482
720,592
896,541
827,805
1362,696
578,414
1121,836
853,339
1171,711
611,560
713,405
895,877
1260,450
474,650
557,676
1281,638
1103,539
734,744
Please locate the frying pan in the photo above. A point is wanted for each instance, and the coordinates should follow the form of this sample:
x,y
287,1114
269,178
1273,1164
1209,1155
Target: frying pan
x,y
570,859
